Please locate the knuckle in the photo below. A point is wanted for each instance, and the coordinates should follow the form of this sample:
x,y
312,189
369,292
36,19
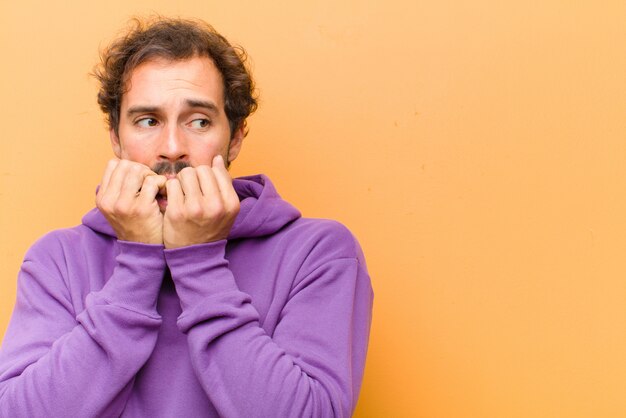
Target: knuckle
x,y
135,168
172,185
112,163
215,209
204,169
121,207
103,203
174,214
186,172
143,211
234,209
194,210
150,181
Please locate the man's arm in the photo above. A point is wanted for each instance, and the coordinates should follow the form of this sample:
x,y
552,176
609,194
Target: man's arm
x,y
313,363
58,362
55,362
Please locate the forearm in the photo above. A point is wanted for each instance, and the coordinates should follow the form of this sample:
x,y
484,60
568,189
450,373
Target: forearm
x,y
311,364
246,373
54,363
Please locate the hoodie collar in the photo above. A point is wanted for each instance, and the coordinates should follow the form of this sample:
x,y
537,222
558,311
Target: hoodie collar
x,y
262,211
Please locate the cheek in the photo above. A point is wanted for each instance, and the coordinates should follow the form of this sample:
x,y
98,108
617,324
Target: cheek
x,y
138,153
203,154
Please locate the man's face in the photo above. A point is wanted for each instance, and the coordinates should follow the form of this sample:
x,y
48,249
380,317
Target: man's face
x,y
174,113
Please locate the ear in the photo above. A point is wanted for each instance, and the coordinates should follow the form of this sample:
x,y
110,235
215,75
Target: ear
x,y
236,141
115,143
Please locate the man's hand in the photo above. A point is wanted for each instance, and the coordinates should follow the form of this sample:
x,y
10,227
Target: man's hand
x,y
126,198
201,205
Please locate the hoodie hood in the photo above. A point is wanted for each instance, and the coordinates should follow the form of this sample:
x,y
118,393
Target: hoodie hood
x,y
262,211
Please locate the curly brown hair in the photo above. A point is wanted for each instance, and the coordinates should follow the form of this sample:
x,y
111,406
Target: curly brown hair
x,y
174,39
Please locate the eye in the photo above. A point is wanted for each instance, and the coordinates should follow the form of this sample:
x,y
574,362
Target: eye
x,y
200,123
146,122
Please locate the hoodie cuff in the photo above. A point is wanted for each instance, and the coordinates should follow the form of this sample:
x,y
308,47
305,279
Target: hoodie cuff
x,y
200,271
137,277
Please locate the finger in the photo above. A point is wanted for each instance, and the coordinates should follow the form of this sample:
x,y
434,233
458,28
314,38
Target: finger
x,y
208,183
189,183
108,171
132,181
175,196
223,179
110,195
125,184
117,179
150,188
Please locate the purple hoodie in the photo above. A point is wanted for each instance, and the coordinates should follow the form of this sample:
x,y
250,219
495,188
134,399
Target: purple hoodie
x,y
273,322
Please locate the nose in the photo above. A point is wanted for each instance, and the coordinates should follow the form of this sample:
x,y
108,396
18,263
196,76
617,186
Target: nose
x,y
173,144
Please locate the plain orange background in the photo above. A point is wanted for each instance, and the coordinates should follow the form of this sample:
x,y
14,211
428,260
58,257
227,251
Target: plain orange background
x,y
476,149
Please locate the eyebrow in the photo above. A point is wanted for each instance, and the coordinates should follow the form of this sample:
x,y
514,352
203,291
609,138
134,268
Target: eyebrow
x,y
193,103
141,109
210,106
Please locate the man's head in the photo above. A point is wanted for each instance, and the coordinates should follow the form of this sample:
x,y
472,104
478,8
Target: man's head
x,y
147,54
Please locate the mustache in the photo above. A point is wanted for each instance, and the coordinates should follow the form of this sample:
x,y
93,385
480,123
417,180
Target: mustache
x,y
167,167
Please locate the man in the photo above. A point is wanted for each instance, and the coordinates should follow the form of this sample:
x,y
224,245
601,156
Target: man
x,y
185,293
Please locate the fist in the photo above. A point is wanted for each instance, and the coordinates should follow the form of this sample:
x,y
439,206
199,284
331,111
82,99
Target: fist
x,y
201,205
127,199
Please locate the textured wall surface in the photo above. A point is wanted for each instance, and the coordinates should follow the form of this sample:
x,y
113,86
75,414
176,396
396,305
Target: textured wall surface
x,y
476,149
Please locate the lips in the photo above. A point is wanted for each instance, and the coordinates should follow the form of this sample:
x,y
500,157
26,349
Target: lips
x,y
161,201
161,197
162,193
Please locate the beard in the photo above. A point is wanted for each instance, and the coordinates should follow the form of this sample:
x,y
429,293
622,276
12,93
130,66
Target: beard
x,y
166,167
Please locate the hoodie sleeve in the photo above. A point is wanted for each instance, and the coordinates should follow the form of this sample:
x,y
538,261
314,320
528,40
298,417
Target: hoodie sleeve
x,y
56,363
311,366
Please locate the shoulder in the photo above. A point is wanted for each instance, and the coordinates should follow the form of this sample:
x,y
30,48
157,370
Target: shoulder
x,y
326,235
61,260
320,241
55,245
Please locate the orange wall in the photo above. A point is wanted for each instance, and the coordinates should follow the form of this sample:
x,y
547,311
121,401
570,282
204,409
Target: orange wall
x,y
476,148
